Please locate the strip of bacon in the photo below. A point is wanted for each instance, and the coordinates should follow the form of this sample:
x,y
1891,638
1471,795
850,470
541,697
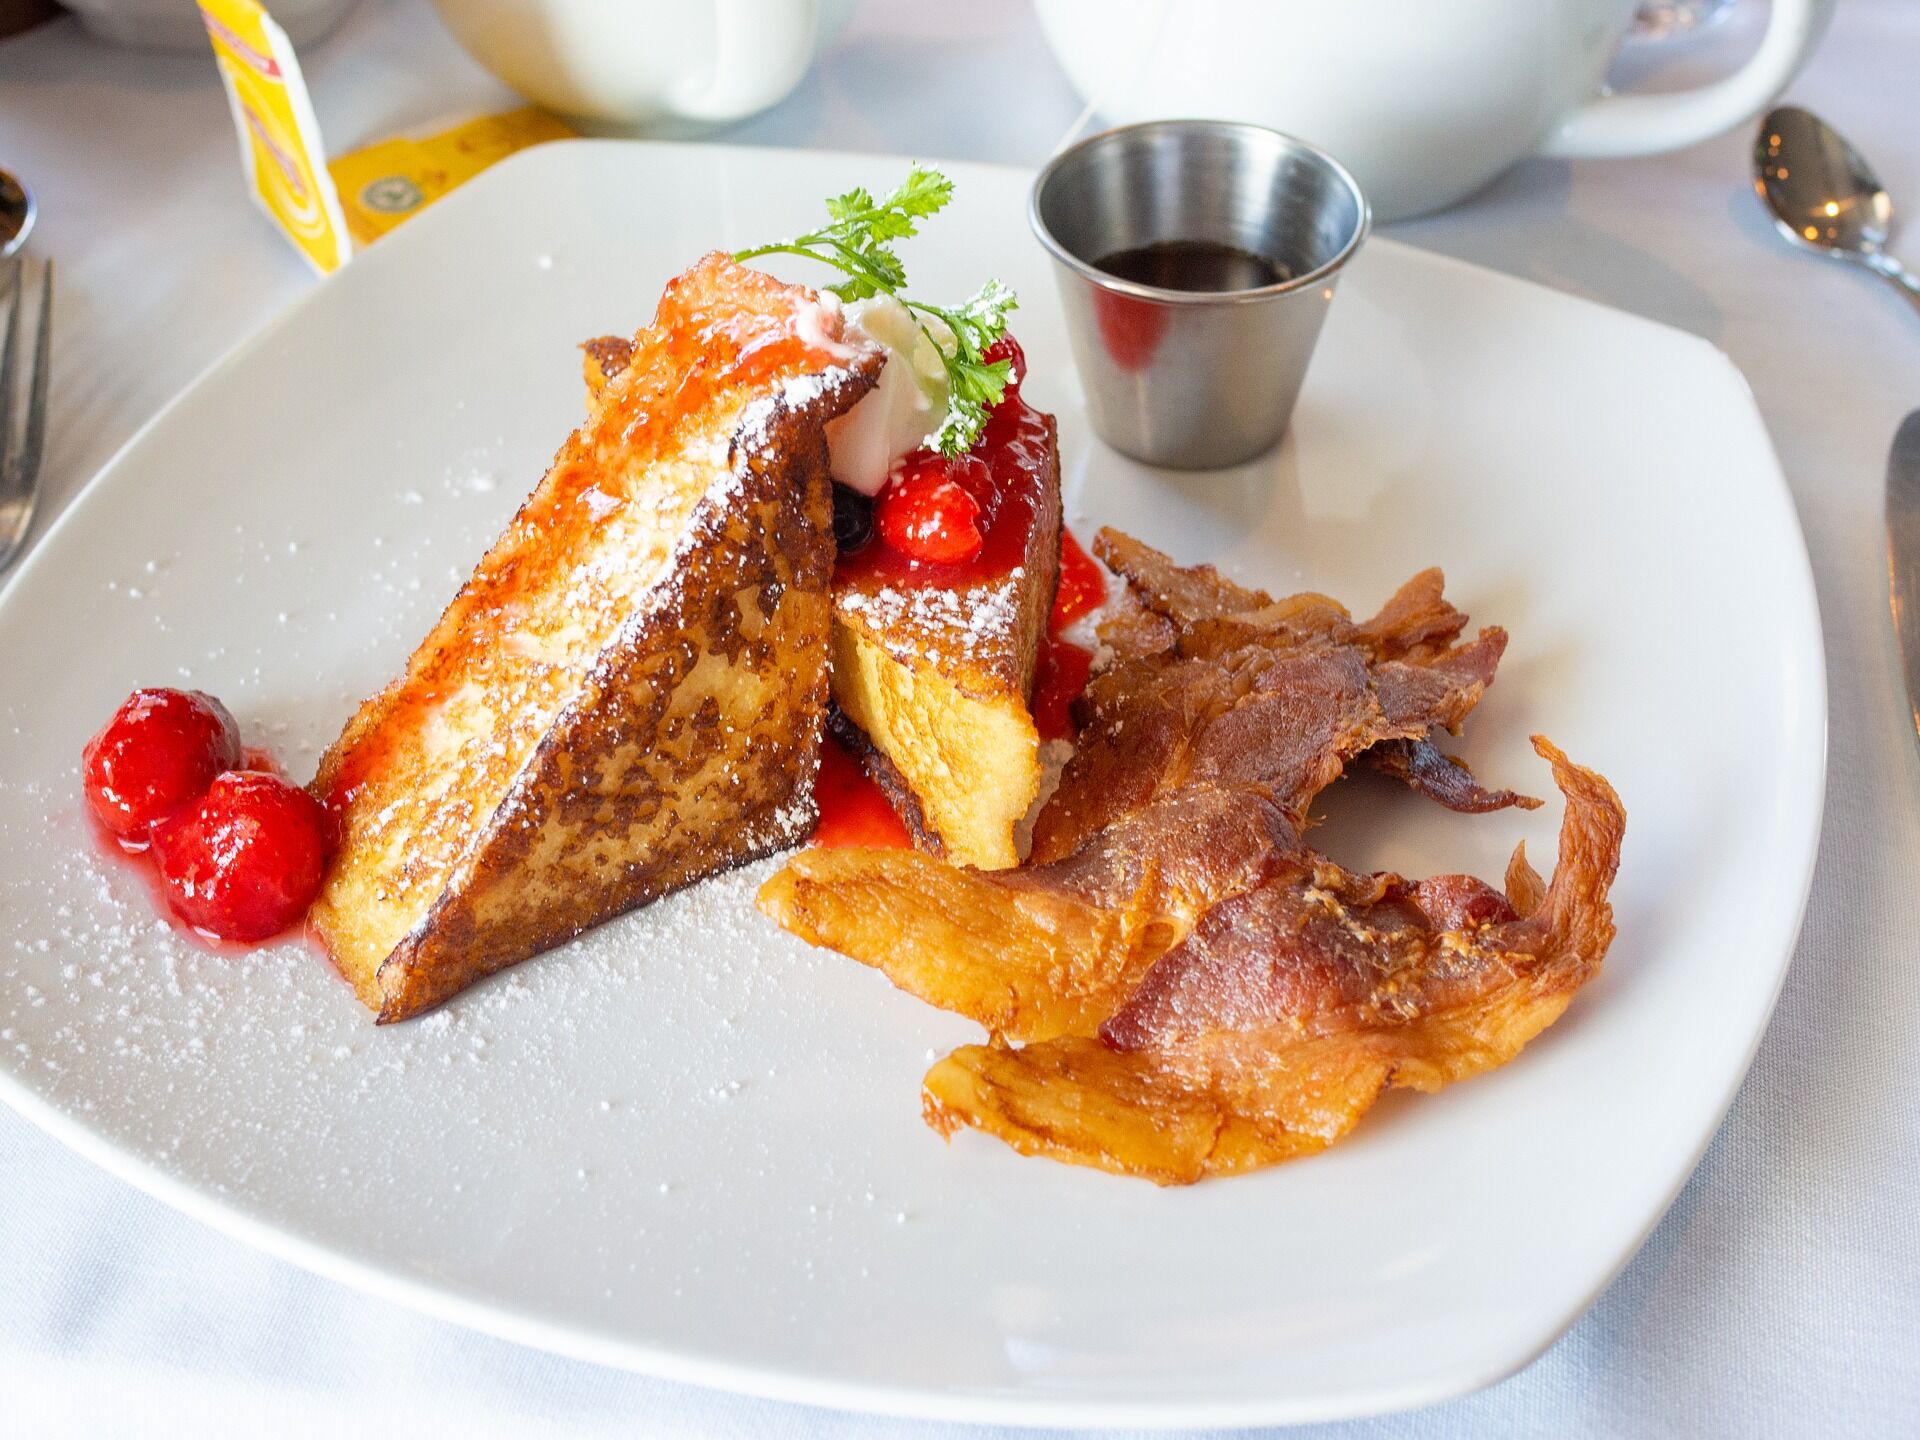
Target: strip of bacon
x,y
1274,1027
1243,689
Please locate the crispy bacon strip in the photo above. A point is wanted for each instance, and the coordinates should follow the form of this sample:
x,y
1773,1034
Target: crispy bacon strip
x,y
1195,773
1201,773
1035,952
1278,1022
1275,694
1417,623
1182,593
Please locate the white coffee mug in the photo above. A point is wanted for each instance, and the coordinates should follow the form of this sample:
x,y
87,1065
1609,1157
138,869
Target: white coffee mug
x,y
1424,100
663,66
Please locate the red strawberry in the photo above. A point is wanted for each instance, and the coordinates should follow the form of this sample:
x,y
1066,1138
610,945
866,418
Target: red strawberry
x,y
244,861
160,750
926,513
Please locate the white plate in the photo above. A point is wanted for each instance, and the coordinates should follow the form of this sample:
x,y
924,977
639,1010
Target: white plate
x,y
689,1145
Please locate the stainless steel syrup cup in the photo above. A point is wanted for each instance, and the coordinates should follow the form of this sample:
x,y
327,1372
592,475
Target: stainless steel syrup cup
x,y
1195,380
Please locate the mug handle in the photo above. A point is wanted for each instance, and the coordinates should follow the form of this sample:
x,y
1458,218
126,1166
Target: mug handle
x,y
1614,125
758,52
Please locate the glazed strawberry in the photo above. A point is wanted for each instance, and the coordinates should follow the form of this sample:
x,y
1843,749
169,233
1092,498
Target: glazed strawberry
x,y
244,861
160,750
975,476
926,513
1008,348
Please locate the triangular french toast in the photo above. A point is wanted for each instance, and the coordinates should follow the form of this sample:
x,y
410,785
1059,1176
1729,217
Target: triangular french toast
x,y
628,693
935,669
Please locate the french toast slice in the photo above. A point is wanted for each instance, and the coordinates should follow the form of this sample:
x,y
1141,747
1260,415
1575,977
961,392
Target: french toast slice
x,y
935,670
938,671
629,692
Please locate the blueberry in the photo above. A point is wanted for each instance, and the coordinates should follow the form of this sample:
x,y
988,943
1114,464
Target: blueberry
x,y
852,519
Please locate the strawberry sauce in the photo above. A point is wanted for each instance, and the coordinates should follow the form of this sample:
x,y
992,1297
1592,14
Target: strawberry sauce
x,y
1058,679
853,810
1083,586
1063,669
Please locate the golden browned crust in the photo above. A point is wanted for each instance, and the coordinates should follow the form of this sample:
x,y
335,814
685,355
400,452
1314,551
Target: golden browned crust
x,y
938,692
691,748
602,358
628,693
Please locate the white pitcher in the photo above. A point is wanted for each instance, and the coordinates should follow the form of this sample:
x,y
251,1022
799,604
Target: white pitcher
x,y
1424,100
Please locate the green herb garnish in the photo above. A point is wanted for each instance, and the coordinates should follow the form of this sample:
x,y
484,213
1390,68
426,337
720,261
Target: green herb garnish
x,y
859,243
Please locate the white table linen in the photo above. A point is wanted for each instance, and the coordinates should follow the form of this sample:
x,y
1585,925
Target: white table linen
x,y
1781,1295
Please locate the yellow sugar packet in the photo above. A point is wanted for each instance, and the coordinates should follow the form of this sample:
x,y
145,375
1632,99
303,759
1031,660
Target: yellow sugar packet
x,y
329,209
279,136
385,183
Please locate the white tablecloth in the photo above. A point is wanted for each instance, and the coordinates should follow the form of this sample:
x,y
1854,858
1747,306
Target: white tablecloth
x,y
1782,1293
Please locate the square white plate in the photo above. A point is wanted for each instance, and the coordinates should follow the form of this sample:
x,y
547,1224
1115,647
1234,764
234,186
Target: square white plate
x,y
690,1145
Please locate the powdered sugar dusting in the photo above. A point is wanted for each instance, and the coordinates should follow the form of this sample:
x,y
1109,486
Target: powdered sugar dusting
x,y
936,623
626,1088
753,433
479,736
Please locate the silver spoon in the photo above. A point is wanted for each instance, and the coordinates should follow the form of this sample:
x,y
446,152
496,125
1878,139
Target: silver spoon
x,y
1824,196
16,214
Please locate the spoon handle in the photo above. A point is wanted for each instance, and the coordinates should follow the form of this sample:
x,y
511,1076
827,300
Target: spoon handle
x,y
1897,275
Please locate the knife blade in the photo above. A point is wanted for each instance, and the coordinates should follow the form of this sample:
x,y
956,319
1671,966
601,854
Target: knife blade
x,y
1903,552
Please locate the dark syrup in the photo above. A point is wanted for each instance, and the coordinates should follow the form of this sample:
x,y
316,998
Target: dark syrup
x,y
1193,265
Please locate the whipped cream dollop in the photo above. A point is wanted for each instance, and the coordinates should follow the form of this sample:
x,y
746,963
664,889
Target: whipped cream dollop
x,y
901,412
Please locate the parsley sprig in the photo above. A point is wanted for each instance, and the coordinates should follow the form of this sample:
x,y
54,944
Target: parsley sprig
x,y
859,243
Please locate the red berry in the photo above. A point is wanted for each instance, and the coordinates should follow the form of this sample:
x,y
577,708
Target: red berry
x,y
927,514
161,749
971,473
245,860
1008,348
